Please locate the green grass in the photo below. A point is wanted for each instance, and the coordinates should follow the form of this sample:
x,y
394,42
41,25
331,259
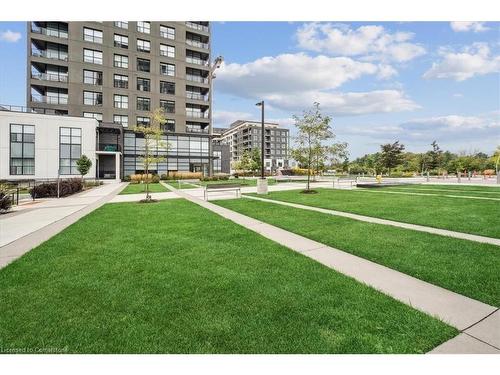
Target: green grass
x,y
466,267
445,190
462,215
193,282
141,188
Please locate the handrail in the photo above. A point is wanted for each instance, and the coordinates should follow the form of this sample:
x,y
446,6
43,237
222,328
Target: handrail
x,y
197,26
50,77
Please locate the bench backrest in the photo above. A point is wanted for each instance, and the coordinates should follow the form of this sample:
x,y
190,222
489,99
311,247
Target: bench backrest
x,y
223,186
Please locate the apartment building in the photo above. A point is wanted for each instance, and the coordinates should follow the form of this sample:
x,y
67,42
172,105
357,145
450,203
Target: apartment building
x,y
244,136
117,72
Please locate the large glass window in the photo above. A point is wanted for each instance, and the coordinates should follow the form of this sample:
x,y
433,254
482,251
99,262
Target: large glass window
x,y
143,45
121,24
167,32
121,120
141,120
121,41
166,50
167,88
22,149
120,81
144,27
120,61
168,106
92,35
70,149
167,69
92,56
143,104
169,125
143,65
92,98
97,116
121,101
143,84
92,77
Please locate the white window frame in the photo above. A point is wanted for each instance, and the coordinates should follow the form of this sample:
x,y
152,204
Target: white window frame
x,y
121,58
122,41
92,35
144,27
167,50
120,101
89,55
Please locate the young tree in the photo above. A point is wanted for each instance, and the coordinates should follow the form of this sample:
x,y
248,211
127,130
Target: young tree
x,y
249,161
391,155
153,141
436,156
255,160
83,165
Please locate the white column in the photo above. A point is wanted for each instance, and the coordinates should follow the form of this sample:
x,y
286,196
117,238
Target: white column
x,y
117,167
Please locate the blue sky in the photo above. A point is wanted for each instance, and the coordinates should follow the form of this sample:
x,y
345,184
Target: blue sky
x,y
380,81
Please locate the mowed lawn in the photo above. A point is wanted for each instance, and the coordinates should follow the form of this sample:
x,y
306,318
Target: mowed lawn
x,y
460,191
172,277
466,267
463,215
141,188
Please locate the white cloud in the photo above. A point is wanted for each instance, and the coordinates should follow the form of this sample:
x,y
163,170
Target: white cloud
x,y
471,61
370,42
10,36
464,26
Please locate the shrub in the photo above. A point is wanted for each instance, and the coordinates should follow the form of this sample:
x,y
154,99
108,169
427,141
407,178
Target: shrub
x,y
126,178
5,202
185,175
155,179
163,176
49,189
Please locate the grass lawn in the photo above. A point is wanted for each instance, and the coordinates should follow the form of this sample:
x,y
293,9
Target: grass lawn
x,y
462,215
466,267
141,188
193,283
445,190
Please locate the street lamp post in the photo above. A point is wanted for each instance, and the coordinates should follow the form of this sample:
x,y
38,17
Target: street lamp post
x,y
262,182
216,64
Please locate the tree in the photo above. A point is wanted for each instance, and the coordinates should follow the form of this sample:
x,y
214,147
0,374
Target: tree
x,y
435,156
153,141
83,165
313,130
391,155
249,161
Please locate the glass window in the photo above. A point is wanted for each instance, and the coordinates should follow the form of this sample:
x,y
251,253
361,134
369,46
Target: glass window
x,y
143,104
120,61
92,35
121,24
143,45
97,116
120,81
121,41
167,69
92,77
169,126
144,27
121,120
167,32
121,101
22,149
92,56
92,98
167,88
143,84
143,65
143,120
168,106
166,50
70,149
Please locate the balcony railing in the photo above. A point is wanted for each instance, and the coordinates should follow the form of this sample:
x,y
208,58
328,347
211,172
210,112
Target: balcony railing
x,y
112,147
196,129
197,61
49,77
197,114
50,55
49,99
193,78
197,26
196,96
197,44
17,108
50,32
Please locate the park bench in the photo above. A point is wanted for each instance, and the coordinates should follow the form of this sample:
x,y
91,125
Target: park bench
x,y
222,187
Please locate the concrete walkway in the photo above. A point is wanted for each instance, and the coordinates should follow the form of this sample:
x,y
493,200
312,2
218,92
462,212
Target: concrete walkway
x,y
25,229
369,219
459,311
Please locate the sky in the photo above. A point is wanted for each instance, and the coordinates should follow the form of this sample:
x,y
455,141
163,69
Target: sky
x,y
379,81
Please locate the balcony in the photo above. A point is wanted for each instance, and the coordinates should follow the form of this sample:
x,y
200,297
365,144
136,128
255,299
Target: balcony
x,y
36,98
110,147
49,31
199,79
197,96
197,61
196,114
50,54
197,44
197,26
196,129
50,77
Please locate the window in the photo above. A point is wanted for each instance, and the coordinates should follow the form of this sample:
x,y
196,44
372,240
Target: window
x,y
121,120
70,149
121,24
143,120
121,41
92,56
22,149
144,27
97,116
166,50
143,65
120,61
120,81
92,77
169,126
167,88
92,35
143,84
167,69
92,98
143,104
168,106
121,101
143,45
167,32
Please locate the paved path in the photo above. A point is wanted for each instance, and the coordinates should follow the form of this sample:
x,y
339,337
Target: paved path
x,y
369,219
23,230
459,311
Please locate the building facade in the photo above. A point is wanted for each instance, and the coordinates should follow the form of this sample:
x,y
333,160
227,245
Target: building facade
x,y
244,136
117,72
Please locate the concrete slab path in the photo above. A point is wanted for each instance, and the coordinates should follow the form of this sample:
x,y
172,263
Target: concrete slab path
x,y
457,310
25,229
370,219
